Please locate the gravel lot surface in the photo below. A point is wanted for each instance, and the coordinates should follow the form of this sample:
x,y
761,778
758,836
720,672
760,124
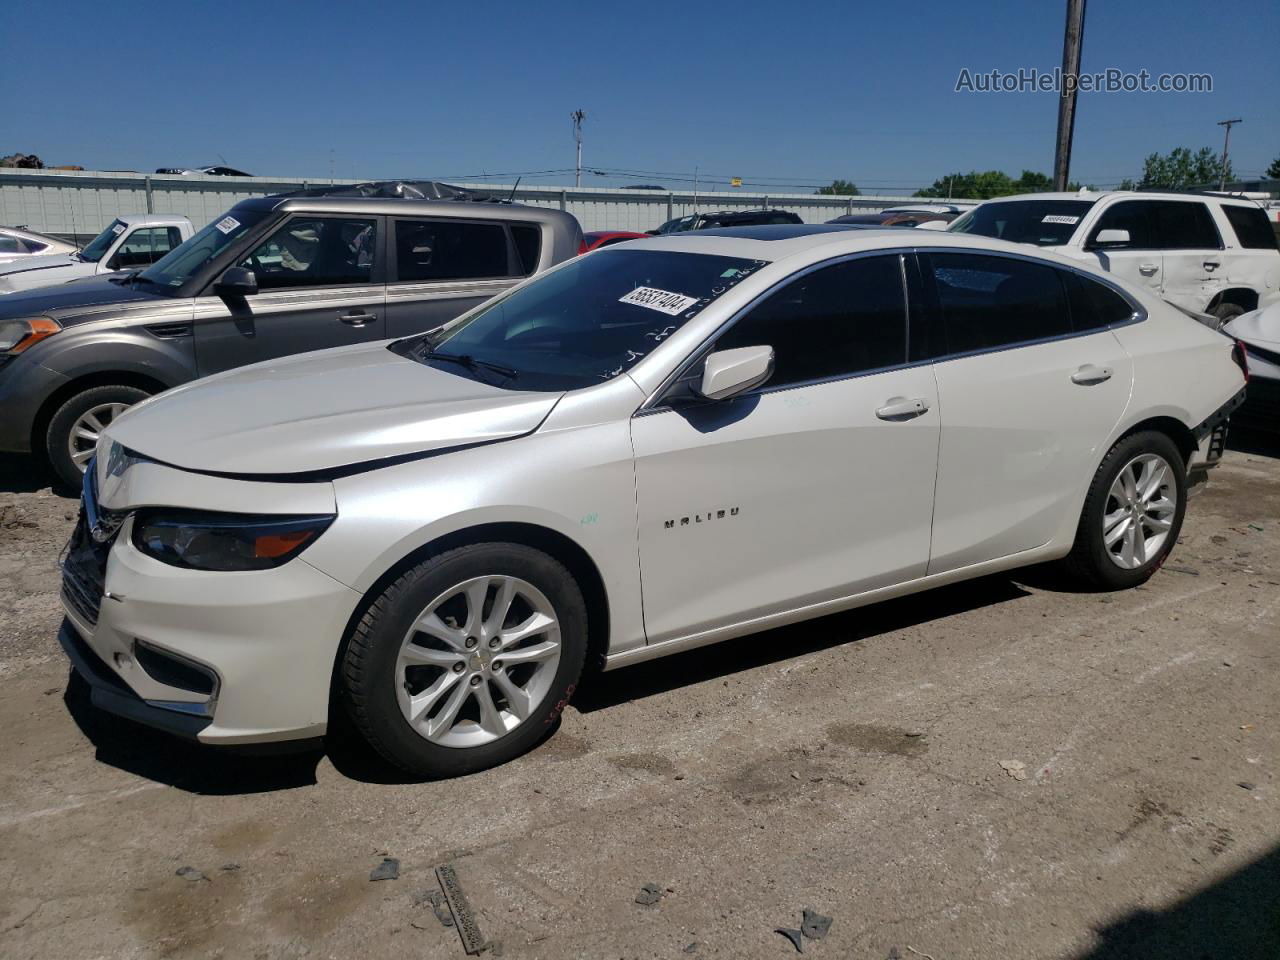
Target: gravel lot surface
x,y
997,769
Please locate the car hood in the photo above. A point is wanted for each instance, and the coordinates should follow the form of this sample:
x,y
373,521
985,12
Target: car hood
x,y
40,261
64,300
1259,326
324,412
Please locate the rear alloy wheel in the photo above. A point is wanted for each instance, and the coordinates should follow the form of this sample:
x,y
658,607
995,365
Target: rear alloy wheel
x,y
467,659
1132,514
76,425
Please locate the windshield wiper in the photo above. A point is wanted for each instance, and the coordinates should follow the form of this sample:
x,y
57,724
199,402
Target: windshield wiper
x,y
470,362
125,278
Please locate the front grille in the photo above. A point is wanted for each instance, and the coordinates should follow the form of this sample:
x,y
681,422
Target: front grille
x,y
84,569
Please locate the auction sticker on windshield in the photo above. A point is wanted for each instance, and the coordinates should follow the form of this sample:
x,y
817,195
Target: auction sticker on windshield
x,y
1060,218
664,301
227,224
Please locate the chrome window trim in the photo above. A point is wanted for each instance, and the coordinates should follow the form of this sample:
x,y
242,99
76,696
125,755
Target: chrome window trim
x,y
653,403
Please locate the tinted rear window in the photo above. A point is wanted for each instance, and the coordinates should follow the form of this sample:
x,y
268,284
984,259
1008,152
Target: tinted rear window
x,y
992,302
1045,223
1251,226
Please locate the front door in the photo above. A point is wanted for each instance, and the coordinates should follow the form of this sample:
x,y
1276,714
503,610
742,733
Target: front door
x,y
1138,260
817,485
319,286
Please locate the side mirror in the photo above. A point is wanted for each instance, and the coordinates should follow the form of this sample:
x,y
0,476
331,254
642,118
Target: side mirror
x,y
728,373
1111,238
236,282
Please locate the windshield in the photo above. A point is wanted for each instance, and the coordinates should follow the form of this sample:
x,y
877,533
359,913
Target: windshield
x,y
177,266
97,247
1046,223
585,323
678,225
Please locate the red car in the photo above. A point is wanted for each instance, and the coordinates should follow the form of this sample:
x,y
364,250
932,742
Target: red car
x,y
607,238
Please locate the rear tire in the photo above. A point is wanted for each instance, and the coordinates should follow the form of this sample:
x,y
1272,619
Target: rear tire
x,y
466,660
73,429
1226,312
1132,514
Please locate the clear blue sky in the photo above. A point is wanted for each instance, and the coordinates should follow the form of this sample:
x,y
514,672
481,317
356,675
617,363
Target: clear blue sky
x,y
798,92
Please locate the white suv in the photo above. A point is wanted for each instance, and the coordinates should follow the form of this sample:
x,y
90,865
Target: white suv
x,y
1211,254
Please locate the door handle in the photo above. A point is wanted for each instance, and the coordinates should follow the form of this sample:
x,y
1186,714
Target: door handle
x,y
1088,375
900,408
357,319
1212,264
1147,269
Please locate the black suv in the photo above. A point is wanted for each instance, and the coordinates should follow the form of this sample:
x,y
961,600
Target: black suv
x,y
726,218
273,276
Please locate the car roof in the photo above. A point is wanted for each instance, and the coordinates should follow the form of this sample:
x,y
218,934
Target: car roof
x,y
400,206
1091,196
774,243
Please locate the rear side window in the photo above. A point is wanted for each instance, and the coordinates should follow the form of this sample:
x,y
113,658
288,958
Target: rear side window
x,y
838,321
1185,226
988,303
11,245
450,250
1251,226
1094,305
528,241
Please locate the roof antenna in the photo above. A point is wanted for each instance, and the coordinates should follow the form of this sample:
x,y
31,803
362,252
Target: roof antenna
x,y
511,196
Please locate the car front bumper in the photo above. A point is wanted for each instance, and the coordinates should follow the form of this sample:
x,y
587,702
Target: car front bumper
x,y
24,387
222,658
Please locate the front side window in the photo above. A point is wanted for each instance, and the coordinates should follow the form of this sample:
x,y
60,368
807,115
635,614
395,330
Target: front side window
x,y
837,321
584,323
450,250
315,252
988,303
185,260
145,246
1251,226
1046,223
97,248
1137,218
11,245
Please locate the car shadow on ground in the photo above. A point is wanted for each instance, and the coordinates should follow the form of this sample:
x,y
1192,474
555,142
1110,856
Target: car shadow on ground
x,y
179,763
787,643
1237,917
23,473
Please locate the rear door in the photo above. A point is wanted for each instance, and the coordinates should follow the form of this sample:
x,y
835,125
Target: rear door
x,y
817,485
1031,381
1253,260
440,268
1139,259
319,285
1194,265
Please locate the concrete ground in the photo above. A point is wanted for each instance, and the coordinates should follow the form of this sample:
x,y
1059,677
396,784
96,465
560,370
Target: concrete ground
x,y
998,769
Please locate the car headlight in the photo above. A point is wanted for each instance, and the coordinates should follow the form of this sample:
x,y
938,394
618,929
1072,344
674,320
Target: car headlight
x,y
224,541
18,335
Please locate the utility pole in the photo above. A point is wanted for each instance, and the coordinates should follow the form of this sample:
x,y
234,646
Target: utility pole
x,y
1072,42
695,190
1226,142
577,117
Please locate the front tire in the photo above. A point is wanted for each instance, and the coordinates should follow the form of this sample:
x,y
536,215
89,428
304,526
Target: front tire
x,y
74,428
467,659
1132,514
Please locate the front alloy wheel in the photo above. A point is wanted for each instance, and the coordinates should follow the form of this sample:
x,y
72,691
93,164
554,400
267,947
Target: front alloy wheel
x,y
477,660
467,659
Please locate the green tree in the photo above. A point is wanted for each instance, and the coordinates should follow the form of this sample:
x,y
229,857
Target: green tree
x,y
840,188
973,185
1180,169
1033,182
1273,171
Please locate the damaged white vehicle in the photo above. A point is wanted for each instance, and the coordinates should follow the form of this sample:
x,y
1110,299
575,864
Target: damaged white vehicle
x,y
1259,331
668,443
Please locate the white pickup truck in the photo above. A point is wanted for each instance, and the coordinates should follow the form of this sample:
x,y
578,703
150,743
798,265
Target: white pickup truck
x,y
129,243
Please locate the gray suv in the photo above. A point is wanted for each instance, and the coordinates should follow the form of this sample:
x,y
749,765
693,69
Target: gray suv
x,y
274,276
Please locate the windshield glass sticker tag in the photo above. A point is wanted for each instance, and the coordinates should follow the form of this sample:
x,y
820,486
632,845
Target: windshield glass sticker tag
x,y
227,224
118,229
664,301
1060,218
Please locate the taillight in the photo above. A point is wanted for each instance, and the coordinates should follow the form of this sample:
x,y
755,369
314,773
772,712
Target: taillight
x,y
1241,358
582,247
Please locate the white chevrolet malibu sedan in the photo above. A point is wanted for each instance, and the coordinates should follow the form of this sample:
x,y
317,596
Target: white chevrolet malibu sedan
x,y
669,443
